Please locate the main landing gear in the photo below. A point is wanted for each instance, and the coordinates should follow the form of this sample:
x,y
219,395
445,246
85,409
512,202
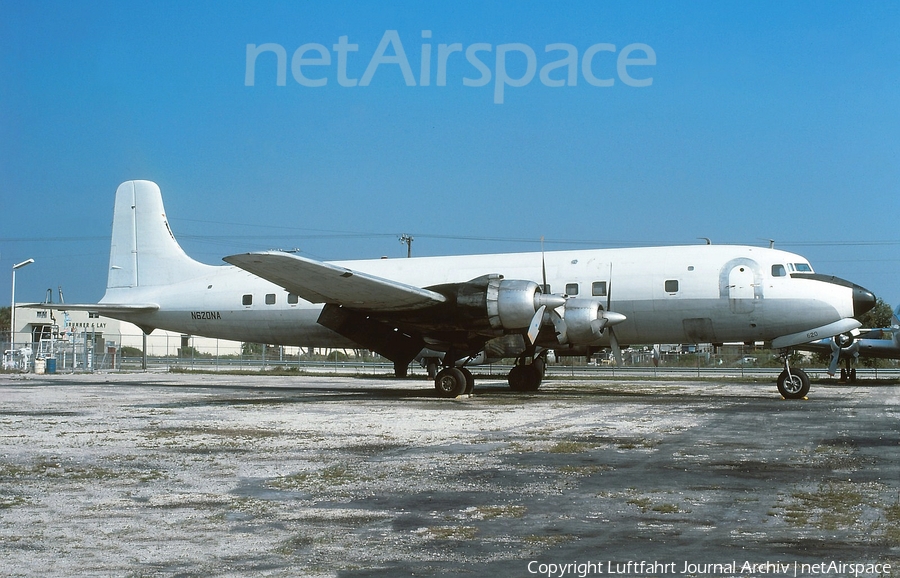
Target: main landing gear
x,y
792,383
848,374
525,376
454,381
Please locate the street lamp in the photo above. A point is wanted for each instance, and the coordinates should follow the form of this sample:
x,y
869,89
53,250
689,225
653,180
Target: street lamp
x,y
12,311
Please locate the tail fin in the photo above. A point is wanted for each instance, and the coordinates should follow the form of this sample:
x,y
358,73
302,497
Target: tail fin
x,y
144,251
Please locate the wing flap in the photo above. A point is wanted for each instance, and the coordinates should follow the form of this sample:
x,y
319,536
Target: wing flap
x,y
320,282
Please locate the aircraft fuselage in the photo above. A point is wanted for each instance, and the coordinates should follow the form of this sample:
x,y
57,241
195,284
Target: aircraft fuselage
x,y
680,294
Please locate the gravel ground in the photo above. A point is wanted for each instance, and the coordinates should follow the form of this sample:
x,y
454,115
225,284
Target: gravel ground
x,y
147,474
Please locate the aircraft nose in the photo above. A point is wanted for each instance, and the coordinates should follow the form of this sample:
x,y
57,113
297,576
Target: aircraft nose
x,y
863,300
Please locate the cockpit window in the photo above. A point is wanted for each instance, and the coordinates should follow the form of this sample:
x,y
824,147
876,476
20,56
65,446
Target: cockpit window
x,y
803,268
778,271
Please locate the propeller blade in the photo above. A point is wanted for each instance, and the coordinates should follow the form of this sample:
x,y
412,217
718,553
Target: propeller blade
x,y
613,341
597,326
835,356
617,351
609,289
544,287
559,325
535,326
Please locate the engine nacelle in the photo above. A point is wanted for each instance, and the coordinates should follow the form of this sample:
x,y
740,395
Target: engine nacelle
x,y
505,304
585,320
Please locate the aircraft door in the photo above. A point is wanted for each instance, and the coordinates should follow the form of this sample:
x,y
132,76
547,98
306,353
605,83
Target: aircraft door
x,y
742,288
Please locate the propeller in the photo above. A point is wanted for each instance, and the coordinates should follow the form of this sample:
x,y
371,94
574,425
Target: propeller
x,y
839,343
543,301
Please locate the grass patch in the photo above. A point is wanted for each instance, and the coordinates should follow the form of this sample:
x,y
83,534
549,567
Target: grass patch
x,y
50,469
294,544
642,503
569,447
646,504
329,478
844,505
9,502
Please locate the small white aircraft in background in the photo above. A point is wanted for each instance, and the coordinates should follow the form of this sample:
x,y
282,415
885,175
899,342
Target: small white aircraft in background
x,y
881,343
498,305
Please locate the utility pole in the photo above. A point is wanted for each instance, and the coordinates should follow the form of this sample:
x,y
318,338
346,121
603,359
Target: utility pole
x,y
408,239
12,310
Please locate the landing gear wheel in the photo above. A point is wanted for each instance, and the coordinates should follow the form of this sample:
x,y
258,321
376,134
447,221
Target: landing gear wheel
x,y
794,385
524,378
450,382
470,380
401,369
853,375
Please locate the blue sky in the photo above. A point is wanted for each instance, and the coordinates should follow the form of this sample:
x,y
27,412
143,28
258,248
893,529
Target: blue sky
x,y
762,120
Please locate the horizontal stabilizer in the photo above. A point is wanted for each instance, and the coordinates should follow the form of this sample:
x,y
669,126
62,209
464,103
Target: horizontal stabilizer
x,y
108,309
319,282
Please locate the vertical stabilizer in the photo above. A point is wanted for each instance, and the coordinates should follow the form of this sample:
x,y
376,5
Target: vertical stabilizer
x,y
144,251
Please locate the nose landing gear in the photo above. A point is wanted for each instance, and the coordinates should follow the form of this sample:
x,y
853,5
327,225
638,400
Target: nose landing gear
x,y
792,383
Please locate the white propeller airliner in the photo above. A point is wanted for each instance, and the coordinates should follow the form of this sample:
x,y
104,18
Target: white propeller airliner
x,y
498,305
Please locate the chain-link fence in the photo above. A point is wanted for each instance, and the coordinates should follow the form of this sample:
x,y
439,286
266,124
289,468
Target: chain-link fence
x,y
92,351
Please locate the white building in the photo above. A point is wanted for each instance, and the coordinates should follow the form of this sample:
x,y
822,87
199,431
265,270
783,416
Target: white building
x,y
70,337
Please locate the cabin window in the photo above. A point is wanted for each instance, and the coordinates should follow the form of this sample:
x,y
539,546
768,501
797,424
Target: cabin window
x,y
571,288
598,289
672,286
778,271
247,300
292,299
270,299
93,315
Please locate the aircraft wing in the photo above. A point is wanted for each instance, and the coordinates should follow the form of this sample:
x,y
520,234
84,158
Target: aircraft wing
x,y
320,282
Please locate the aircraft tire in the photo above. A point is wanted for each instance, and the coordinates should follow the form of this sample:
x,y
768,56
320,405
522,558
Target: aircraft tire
x,y
470,379
450,382
794,388
524,378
